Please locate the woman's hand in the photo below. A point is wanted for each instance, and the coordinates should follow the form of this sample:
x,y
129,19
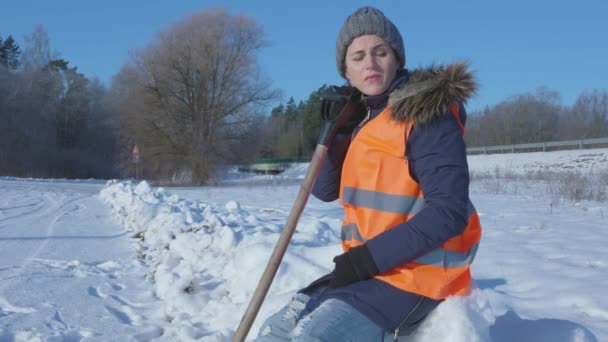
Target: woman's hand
x,y
355,265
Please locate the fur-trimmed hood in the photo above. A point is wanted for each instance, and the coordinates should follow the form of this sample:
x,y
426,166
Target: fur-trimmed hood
x,y
429,92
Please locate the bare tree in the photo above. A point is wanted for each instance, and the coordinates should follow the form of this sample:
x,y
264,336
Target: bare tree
x,y
37,52
588,117
524,118
197,88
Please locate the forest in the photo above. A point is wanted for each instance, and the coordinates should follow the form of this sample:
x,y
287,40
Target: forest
x,y
195,99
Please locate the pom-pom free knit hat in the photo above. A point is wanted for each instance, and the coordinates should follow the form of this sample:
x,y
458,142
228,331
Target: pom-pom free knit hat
x,y
368,20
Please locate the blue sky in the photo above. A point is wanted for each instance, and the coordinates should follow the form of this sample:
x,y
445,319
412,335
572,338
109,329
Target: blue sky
x,y
514,46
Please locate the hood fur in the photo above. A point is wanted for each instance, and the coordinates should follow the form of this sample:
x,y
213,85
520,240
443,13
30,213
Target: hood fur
x,y
429,92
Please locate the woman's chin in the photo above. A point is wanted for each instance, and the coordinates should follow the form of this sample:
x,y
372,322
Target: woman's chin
x,y
373,89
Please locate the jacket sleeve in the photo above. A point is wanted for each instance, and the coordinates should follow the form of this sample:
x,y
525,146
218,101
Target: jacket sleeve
x,y
327,185
438,161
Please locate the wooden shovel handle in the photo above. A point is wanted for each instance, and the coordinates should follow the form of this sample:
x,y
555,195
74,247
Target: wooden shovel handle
x,y
281,246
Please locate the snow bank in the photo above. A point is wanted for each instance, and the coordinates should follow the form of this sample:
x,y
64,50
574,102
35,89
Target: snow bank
x,y
205,261
458,319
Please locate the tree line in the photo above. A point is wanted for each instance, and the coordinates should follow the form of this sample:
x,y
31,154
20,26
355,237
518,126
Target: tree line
x,y
195,99
192,100
532,117
537,117
54,122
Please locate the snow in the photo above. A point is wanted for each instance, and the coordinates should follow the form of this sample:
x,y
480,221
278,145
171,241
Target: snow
x,y
557,161
101,260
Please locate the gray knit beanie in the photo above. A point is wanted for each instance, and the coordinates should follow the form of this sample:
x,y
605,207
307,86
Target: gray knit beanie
x,y
368,20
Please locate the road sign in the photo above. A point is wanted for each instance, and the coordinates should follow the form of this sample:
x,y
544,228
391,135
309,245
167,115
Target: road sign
x,y
135,154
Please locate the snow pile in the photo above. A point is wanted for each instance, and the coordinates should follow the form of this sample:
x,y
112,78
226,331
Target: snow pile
x,y
205,261
458,319
296,171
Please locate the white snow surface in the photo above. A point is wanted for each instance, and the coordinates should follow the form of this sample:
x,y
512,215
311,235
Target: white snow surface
x,y
124,261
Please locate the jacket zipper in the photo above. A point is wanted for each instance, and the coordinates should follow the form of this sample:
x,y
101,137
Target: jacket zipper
x,y
369,113
409,314
360,125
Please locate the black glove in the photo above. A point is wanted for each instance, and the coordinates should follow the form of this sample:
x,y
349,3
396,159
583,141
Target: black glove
x,y
341,112
340,96
355,265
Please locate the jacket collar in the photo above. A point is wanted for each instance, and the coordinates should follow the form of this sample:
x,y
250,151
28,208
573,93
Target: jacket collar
x,y
429,92
378,102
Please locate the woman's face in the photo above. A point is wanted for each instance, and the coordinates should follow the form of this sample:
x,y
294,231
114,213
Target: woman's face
x,y
371,64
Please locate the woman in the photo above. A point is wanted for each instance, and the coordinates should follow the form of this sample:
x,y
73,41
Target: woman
x,y
410,231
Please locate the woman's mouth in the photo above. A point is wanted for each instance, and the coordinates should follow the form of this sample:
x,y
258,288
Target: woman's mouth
x,y
372,78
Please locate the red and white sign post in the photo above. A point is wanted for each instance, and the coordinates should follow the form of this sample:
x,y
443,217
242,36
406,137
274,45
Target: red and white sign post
x,y
136,160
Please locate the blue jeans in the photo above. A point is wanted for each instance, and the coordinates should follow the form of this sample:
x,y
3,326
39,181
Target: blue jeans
x,y
332,321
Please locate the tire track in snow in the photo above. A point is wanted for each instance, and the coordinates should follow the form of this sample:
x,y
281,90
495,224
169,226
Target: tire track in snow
x,y
56,210
7,215
50,230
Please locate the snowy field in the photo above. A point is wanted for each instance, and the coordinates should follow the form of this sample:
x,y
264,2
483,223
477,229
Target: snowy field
x,y
121,261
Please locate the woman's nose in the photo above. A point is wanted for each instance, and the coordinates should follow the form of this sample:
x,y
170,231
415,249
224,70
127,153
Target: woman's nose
x,y
369,62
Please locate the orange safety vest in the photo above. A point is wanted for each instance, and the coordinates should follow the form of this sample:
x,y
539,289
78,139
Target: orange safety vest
x,y
378,193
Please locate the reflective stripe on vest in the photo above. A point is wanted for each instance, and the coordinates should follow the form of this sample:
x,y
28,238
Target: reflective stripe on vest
x,y
448,259
350,231
385,202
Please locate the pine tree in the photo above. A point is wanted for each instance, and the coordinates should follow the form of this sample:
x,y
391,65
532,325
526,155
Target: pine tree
x,y
9,53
